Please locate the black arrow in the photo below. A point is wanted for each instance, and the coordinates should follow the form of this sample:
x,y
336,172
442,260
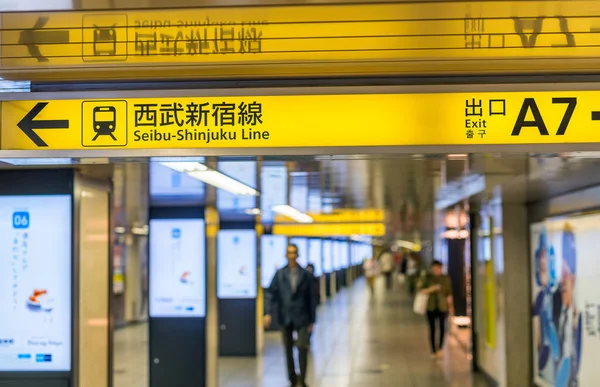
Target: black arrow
x,y
34,37
595,116
27,124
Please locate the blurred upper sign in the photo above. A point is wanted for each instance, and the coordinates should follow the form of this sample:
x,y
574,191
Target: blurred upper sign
x,y
307,40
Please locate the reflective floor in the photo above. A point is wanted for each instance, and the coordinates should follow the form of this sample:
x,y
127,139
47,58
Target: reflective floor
x,y
359,341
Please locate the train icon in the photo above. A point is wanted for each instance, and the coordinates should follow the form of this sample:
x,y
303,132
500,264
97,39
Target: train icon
x,y
104,121
105,41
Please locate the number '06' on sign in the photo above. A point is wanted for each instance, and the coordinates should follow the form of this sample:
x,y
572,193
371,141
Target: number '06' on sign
x,y
20,219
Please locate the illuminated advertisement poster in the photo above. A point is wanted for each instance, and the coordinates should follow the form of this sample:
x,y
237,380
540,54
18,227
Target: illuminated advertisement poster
x,y
299,197
273,191
327,256
337,255
236,264
272,257
244,172
177,268
566,301
35,283
302,244
314,201
315,254
344,255
366,252
167,183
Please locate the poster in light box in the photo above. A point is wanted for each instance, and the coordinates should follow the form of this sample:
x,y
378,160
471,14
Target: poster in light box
x,y
35,283
566,301
177,268
236,264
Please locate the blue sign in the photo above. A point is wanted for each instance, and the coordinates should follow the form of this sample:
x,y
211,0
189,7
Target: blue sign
x,y
43,358
20,219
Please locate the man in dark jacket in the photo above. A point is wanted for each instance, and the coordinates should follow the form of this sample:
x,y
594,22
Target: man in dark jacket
x,y
293,292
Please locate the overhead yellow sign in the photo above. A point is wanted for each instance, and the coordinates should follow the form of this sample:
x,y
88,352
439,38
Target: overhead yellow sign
x,y
303,121
304,35
343,215
330,229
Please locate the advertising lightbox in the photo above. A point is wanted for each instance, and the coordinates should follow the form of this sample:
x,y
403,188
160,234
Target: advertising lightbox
x,y
299,197
366,252
354,256
35,283
315,254
566,302
327,256
337,255
168,186
344,255
244,172
302,244
236,264
177,268
273,191
272,257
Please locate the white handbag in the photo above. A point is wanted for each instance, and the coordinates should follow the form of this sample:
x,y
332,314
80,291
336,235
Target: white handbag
x,y
420,304
401,278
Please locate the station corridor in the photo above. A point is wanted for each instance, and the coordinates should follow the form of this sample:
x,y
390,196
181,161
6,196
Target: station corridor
x,y
359,341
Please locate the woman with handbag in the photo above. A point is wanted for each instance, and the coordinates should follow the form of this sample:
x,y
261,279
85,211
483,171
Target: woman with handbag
x,y
439,290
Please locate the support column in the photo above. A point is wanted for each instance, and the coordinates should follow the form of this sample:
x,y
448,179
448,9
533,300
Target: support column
x,y
517,302
260,296
212,306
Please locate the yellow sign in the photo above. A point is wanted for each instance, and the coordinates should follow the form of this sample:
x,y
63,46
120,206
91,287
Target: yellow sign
x,y
392,35
490,304
303,121
329,229
344,215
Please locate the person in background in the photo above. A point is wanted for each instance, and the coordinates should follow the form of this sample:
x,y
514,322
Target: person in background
x,y
567,318
397,259
413,268
292,290
439,304
387,267
371,269
317,289
317,285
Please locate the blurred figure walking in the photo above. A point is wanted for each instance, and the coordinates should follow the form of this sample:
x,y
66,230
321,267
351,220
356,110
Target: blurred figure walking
x,y
387,268
371,269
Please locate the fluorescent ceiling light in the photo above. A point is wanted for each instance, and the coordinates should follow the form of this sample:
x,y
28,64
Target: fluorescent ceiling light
x,y
185,166
362,238
140,230
253,211
38,161
458,156
292,213
215,178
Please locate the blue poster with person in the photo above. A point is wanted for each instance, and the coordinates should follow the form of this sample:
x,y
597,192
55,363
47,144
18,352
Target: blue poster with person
x,y
557,319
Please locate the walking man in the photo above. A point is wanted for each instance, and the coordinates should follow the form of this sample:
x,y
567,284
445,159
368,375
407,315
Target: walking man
x,y
293,292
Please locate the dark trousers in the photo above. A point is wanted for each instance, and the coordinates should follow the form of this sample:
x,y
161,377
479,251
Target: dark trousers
x,y
412,285
302,343
388,279
432,317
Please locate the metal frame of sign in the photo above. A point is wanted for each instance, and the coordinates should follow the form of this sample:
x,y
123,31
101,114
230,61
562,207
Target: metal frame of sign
x,y
326,150
301,40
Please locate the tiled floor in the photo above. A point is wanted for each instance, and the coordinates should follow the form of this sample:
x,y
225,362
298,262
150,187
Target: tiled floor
x,y
359,341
